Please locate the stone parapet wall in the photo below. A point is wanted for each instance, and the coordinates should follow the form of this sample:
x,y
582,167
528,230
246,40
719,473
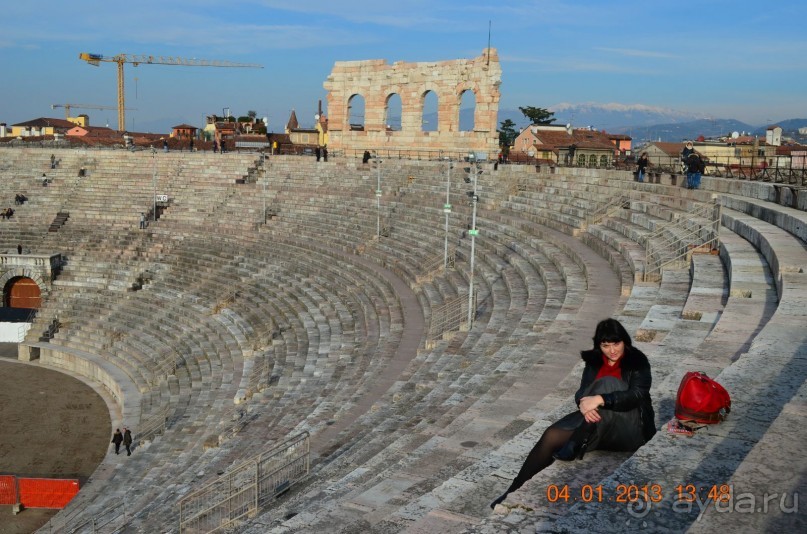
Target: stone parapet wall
x,y
122,389
376,81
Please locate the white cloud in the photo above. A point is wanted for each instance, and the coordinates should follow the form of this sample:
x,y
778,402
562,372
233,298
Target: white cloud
x,y
631,52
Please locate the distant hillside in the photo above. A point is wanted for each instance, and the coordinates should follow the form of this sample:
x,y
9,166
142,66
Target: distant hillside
x,y
686,130
790,127
644,123
616,116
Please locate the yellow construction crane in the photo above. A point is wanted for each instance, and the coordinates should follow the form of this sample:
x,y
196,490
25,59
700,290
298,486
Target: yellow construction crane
x,y
67,108
120,59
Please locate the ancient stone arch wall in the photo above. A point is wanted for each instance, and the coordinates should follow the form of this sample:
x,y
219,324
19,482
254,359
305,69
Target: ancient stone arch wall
x,y
39,268
24,272
375,80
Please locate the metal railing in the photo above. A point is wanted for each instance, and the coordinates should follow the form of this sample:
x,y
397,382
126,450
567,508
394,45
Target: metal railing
x,y
780,169
408,154
778,175
25,326
111,520
153,425
238,494
611,206
449,318
166,366
433,266
672,245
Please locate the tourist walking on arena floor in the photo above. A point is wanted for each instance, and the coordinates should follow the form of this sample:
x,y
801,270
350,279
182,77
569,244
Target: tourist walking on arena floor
x,y
127,441
615,412
642,165
52,161
117,439
142,220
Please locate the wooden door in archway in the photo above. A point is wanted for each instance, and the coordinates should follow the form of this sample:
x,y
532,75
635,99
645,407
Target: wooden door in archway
x,y
22,292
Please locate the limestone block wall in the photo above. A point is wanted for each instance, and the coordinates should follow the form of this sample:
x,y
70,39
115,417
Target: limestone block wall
x,y
376,81
122,389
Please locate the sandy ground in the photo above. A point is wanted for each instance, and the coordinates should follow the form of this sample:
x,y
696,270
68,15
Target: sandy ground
x,y
51,425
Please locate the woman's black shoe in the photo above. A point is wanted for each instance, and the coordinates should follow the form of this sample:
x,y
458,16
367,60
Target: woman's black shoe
x,y
576,447
571,451
500,499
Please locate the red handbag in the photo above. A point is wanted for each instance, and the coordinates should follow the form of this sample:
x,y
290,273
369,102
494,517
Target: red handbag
x,y
701,400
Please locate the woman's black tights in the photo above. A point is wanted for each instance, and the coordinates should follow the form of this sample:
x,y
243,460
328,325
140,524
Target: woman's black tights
x,y
539,458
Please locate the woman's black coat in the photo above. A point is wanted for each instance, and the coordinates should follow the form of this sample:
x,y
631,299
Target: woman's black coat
x,y
636,373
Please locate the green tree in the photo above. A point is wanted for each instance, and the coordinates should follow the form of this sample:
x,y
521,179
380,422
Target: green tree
x,y
252,114
507,133
538,115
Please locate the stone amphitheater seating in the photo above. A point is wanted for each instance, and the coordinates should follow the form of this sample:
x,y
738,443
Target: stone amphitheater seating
x,y
244,330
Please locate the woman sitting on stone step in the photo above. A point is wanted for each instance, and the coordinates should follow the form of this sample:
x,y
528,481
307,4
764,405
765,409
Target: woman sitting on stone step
x,y
615,411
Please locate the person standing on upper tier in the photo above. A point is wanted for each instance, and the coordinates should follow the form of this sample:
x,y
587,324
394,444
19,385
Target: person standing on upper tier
x,y
641,166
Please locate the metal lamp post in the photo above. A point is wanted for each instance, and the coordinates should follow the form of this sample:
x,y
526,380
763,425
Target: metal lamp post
x,y
473,233
154,184
263,162
378,199
447,211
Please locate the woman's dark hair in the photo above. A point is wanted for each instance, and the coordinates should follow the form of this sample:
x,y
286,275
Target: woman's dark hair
x,y
610,331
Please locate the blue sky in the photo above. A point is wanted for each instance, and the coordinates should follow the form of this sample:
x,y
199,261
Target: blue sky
x,y
720,59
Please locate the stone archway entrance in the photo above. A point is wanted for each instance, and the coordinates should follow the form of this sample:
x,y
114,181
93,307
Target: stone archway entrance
x,y
22,292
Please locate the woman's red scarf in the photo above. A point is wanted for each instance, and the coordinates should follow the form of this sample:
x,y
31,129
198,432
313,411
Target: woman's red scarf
x,y
610,370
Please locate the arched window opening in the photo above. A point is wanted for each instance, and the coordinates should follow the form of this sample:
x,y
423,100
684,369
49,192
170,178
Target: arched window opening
x,y
355,113
592,160
392,113
581,160
467,110
430,114
22,292
603,161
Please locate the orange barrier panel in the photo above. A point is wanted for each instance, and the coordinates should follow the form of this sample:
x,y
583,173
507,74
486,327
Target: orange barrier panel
x,y
8,489
47,492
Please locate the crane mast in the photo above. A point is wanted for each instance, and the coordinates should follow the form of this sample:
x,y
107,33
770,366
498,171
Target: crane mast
x,y
139,59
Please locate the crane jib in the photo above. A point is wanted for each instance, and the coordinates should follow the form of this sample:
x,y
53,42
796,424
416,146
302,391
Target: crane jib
x,y
121,59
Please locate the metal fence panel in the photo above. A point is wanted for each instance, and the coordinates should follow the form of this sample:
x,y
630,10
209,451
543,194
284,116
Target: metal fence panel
x,y
8,489
237,495
224,501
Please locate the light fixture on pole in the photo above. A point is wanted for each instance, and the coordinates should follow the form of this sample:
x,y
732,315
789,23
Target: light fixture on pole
x,y
154,184
378,199
263,162
473,233
447,211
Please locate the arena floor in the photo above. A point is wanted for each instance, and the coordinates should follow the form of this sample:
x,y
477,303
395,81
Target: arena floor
x,y
51,425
